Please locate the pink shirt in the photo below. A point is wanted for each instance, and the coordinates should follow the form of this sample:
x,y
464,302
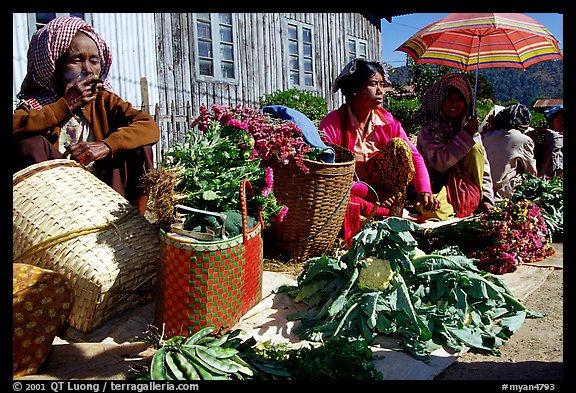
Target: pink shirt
x,y
383,127
366,144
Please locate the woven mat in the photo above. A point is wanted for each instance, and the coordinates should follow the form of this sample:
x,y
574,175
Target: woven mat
x,y
110,351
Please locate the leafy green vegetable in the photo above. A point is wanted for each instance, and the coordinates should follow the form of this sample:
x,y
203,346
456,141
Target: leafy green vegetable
x,y
206,355
435,300
233,227
339,359
213,164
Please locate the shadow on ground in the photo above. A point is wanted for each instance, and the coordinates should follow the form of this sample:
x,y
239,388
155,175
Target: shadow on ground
x,y
545,371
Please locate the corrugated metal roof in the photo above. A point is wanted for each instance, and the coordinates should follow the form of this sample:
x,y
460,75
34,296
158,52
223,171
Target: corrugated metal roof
x,y
389,16
548,102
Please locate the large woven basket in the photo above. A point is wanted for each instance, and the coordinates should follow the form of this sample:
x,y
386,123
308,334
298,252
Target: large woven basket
x,y
209,283
316,204
67,220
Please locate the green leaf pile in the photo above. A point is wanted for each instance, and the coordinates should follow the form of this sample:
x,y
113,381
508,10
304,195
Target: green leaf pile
x,y
229,355
206,355
213,167
436,300
213,164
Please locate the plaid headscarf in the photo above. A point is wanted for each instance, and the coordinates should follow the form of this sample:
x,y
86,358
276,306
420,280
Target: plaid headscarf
x,y
514,116
47,45
430,112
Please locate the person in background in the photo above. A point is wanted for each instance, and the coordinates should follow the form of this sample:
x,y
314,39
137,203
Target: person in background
x,y
487,122
510,151
67,109
386,160
550,152
452,148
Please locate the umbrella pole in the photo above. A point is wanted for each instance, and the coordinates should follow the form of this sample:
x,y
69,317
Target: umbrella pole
x,y
476,82
475,88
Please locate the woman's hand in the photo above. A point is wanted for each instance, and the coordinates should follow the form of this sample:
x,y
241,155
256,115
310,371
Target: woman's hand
x,y
81,91
87,152
484,207
428,202
388,202
471,127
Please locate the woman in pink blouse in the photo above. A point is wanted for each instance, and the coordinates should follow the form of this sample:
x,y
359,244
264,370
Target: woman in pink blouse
x,y
386,160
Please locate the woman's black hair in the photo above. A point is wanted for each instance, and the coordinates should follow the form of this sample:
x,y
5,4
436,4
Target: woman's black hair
x,y
354,81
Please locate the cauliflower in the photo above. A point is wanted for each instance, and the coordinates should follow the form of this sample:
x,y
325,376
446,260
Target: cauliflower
x,y
418,253
376,275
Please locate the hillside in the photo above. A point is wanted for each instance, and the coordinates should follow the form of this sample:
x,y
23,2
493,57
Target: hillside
x,y
541,80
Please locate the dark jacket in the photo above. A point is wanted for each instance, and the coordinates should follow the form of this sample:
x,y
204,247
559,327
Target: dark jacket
x,y
113,120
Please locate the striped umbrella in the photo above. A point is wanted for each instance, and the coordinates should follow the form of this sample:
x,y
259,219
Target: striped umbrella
x,y
472,41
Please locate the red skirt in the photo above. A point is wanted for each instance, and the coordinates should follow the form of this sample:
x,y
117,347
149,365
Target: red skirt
x,y
386,174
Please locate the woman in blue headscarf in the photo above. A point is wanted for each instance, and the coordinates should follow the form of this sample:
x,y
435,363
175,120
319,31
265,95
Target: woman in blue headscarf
x,y
549,143
553,149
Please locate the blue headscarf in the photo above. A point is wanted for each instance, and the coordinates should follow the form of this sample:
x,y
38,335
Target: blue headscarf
x,y
309,130
550,113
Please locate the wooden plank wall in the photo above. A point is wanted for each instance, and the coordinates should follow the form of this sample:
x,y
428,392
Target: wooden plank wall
x,y
261,60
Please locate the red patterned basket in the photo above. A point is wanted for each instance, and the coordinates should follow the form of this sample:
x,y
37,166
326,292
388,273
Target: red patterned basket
x,y
212,283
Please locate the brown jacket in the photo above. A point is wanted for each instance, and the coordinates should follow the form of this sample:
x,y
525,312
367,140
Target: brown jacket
x,y
113,120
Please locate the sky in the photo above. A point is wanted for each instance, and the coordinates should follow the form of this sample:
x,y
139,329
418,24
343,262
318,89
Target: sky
x,y
403,27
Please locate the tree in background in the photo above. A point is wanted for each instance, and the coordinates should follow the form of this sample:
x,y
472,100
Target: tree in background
x,y
311,105
423,76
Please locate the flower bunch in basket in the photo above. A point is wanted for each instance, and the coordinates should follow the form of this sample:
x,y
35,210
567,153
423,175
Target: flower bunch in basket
x,y
273,138
511,234
223,147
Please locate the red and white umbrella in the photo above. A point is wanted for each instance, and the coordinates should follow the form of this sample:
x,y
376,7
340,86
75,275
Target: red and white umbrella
x,y
469,41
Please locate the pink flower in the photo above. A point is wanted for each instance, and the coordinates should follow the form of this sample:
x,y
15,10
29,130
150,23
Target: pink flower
x,y
238,124
280,217
269,180
268,139
520,236
272,137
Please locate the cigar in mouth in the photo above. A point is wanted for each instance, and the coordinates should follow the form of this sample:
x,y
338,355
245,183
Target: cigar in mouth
x,y
94,82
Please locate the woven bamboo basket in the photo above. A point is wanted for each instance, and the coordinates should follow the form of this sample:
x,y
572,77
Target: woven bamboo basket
x,y
316,204
67,220
209,283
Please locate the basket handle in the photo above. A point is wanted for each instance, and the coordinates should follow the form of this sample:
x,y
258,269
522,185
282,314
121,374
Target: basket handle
x,y
244,207
376,205
223,217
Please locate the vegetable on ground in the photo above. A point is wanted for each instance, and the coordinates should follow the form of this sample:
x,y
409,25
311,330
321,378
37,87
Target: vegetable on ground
x,y
434,300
